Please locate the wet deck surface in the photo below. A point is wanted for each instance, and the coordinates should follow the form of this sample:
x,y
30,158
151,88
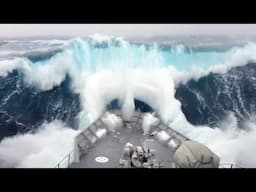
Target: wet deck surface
x,y
112,147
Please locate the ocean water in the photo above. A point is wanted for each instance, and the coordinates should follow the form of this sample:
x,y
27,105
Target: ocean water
x,y
52,88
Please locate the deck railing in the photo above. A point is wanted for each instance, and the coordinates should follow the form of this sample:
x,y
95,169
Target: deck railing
x,y
67,160
231,165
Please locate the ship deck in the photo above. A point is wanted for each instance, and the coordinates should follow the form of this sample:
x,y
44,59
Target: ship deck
x,y
111,146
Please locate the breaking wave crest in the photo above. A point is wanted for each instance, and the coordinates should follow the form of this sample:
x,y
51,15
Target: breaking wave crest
x,y
174,80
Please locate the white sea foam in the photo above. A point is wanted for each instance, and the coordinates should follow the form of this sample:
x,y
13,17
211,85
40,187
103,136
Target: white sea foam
x,y
149,120
112,121
43,149
122,73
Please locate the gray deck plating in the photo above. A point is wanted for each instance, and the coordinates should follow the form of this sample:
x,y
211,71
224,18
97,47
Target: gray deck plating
x,y
112,145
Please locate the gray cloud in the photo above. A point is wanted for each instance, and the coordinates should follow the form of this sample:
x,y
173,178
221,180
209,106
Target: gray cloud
x,y
126,30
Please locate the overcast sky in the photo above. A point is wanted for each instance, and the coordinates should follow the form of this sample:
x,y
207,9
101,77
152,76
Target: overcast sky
x,y
125,30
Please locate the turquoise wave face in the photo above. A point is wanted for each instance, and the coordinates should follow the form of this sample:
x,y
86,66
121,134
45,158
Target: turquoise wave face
x,y
42,89
116,54
92,55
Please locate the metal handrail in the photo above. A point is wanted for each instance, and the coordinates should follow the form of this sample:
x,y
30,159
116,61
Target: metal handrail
x,y
231,165
73,150
68,156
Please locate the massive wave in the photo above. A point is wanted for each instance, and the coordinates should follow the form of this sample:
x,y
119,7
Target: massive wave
x,y
51,89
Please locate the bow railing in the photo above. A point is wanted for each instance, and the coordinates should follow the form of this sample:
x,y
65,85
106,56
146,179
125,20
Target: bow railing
x,y
67,160
231,165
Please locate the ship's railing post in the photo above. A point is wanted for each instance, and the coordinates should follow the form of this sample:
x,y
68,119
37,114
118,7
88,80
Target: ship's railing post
x,y
68,159
232,165
72,151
